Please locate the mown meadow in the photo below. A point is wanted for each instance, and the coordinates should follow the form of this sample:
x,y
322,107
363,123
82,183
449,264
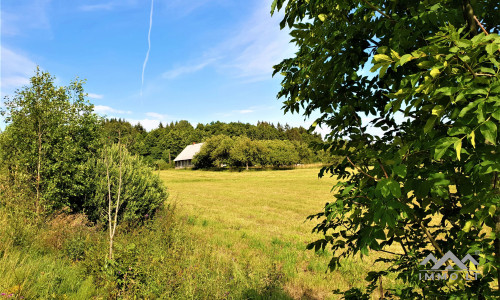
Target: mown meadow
x,y
255,224
220,235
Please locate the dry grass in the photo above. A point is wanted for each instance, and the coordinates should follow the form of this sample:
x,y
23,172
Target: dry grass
x,y
255,220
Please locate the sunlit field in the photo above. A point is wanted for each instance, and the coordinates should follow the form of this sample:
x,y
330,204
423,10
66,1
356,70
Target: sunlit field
x,y
255,224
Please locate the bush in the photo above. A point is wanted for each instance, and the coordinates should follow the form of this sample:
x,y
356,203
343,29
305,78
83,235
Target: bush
x,y
142,191
160,164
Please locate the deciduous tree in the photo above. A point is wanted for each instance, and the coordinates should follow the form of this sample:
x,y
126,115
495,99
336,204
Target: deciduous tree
x,y
429,182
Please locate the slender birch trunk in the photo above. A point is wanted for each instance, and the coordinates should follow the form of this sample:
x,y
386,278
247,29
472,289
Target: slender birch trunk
x,y
113,220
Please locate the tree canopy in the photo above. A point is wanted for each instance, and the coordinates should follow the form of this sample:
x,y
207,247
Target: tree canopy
x,y
426,75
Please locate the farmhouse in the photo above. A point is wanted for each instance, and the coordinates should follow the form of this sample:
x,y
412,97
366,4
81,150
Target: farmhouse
x,y
183,160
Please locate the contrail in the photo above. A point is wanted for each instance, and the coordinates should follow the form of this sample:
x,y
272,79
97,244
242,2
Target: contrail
x,y
149,45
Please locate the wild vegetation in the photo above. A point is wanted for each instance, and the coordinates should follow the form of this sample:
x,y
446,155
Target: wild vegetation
x,y
82,217
428,182
82,214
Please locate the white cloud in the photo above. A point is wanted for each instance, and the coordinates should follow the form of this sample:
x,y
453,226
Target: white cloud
x,y
148,124
322,131
94,96
251,51
244,111
156,116
16,69
100,5
95,7
258,46
183,8
103,109
24,16
187,69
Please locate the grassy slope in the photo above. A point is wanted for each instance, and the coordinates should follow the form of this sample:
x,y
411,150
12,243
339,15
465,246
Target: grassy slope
x,y
254,220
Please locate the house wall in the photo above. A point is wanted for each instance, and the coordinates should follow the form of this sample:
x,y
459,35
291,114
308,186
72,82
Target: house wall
x,y
181,164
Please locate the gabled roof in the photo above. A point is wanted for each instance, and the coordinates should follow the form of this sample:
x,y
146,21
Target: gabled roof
x,y
189,152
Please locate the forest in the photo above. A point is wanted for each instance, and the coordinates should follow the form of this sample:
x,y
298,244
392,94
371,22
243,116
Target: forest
x,y
226,143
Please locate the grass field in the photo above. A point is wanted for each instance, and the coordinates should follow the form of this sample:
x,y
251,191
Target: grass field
x,y
255,223
223,235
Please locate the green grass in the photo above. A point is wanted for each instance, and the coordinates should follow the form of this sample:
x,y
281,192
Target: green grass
x,y
223,235
256,220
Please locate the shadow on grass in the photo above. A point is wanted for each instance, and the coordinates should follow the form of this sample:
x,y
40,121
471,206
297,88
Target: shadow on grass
x,y
276,294
257,169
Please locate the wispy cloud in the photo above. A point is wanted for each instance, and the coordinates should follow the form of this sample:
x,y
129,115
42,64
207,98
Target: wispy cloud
x,y
94,96
251,50
149,44
103,109
16,69
183,8
244,111
156,116
257,46
96,7
249,110
176,72
24,16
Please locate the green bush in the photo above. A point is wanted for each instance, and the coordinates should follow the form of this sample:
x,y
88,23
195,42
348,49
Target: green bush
x,y
160,164
142,191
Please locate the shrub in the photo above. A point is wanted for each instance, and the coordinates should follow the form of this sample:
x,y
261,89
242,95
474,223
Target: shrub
x,y
142,190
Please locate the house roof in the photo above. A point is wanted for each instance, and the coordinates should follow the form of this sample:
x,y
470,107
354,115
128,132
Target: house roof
x,y
189,152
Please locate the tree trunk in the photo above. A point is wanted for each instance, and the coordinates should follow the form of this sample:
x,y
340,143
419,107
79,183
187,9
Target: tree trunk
x,y
247,166
38,170
106,162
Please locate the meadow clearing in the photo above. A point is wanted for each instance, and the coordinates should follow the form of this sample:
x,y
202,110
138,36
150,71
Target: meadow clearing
x,y
254,223
221,235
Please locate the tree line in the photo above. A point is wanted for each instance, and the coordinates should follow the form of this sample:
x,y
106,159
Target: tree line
x,y
160,146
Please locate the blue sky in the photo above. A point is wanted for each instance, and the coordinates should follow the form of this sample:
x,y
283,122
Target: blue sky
x,y
209,59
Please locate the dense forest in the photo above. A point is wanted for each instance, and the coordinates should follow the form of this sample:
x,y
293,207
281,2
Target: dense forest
x,y
160,146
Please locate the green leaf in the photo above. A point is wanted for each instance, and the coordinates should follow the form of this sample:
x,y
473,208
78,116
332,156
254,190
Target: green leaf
x,y
472,136
430,123
438,110
322,17
467,226
491,48
442,145
273,6
405,58
458,147
469,107
383,70
458,130
400,170
394,188
492,210
395,55
435,72
496,114
388,186
489,131
425,64
381,58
